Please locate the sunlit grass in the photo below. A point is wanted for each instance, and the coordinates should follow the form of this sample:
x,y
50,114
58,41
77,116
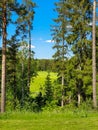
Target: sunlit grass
x,y
38,82
65,120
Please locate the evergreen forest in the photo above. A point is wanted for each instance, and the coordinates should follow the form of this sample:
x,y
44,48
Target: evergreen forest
x,y
74,34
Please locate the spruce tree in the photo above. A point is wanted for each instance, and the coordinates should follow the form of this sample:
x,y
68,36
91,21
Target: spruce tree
x,y
77,35
80,17
48,90
12,61
59,36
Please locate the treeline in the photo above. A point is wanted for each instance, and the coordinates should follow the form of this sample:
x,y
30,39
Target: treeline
x,y
45,65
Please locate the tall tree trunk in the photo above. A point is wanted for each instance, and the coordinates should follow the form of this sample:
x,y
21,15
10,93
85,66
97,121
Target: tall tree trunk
x,y
14,83
22,98
22,81
94,55
62,89
62,101
79,95
29,58
79,86
3,78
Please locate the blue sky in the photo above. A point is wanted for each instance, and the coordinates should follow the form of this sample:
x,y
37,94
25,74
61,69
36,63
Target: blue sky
x,y
41,34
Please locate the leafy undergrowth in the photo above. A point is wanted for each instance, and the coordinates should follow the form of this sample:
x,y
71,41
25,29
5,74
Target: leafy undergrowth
x,y
54,120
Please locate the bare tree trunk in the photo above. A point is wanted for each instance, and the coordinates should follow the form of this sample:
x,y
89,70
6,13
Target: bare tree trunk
x,y
62,89
79,98
29,58
22,101
63,52
14,84
94,55
3,78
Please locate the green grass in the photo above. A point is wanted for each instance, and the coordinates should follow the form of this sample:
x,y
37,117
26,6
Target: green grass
x,y
66,120
39,81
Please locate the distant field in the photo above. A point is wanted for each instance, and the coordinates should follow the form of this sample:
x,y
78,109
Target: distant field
x,y
39,80
48,121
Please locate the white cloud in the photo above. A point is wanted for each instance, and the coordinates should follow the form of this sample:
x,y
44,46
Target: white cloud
x,y
69,26
32,46
90,24
49,41
27,46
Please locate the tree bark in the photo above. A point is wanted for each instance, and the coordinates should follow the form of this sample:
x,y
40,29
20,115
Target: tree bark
x,y
22,99
63,52
29,58
94,55
62,89
3,78
79,98
14,84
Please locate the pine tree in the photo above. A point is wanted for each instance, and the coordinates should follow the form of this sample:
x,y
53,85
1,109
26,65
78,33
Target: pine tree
x,y
94,55
80,18
29,18
59,36
77,16
3,80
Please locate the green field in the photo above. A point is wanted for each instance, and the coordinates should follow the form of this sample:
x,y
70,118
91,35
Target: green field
x,y
49,121
38,82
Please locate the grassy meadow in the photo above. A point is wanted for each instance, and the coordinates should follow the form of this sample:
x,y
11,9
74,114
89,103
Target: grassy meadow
x,y
38,82
66,120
